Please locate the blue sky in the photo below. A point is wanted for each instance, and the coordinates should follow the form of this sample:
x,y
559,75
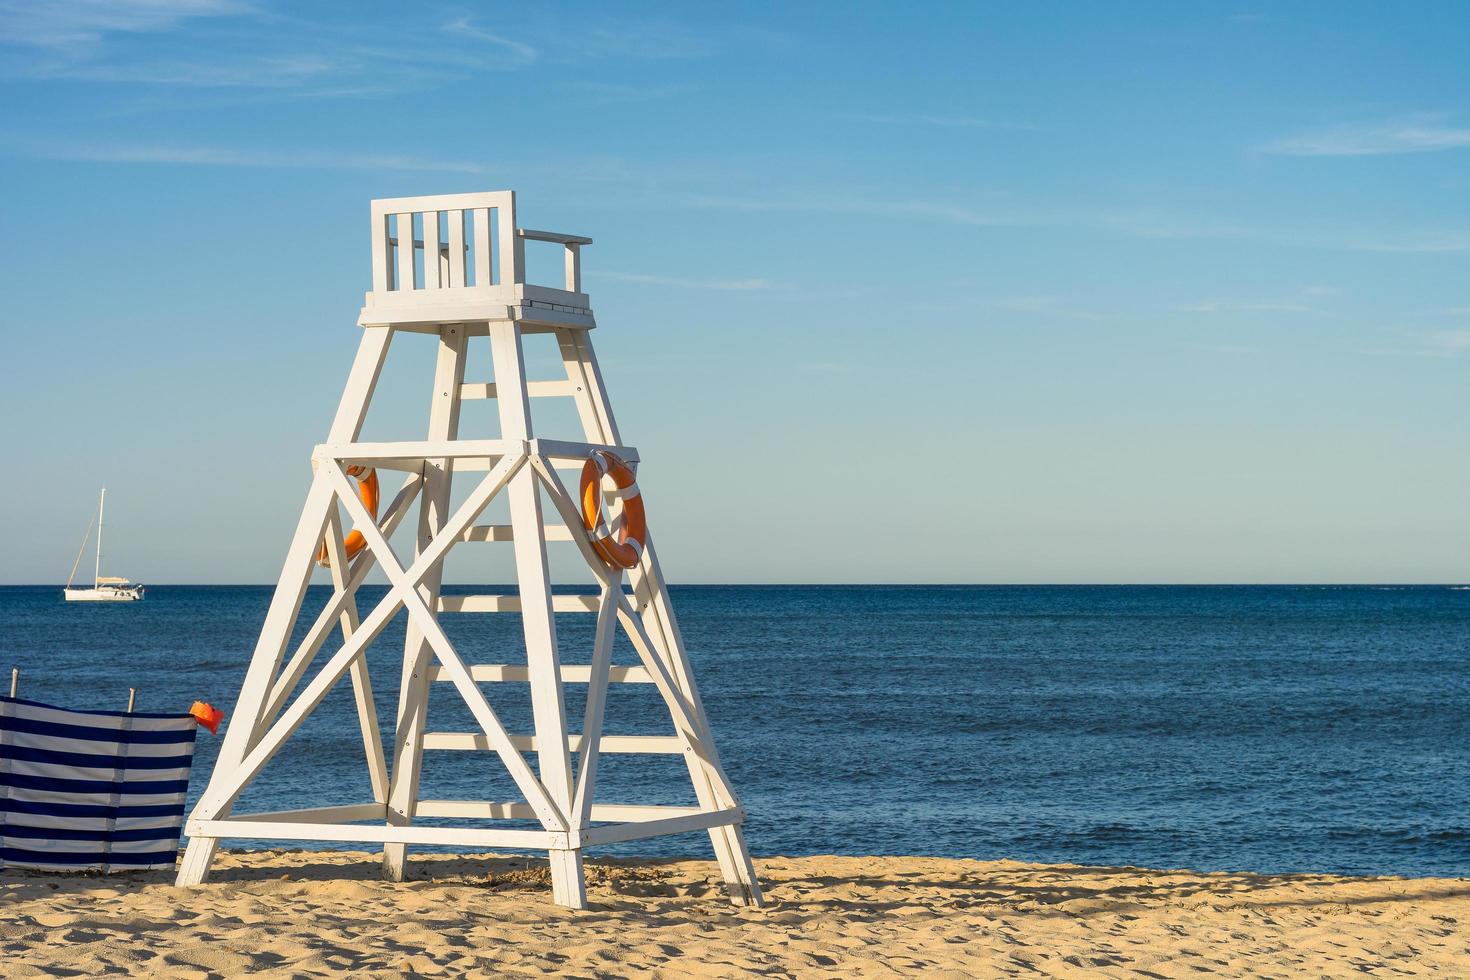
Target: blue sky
x,y
966,293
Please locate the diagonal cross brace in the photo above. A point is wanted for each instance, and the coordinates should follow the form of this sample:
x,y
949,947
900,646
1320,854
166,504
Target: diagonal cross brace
x,y
683,713
405,584
289,677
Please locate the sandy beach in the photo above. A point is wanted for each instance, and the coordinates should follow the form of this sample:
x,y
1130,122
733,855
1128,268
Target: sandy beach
x,y
298,913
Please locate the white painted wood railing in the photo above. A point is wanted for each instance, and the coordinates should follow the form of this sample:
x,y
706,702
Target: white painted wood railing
x,y
458,241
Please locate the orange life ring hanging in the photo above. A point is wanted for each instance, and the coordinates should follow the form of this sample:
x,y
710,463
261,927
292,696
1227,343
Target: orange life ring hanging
x,y
367,491
619,543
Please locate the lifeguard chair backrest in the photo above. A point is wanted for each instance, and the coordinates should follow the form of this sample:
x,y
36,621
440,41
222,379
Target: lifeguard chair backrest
x,y
458,241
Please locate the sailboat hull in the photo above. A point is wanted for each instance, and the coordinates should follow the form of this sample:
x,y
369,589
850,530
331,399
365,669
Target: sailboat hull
x,y
103,594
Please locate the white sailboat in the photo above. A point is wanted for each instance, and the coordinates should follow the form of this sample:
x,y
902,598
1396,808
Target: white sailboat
x,y
105,588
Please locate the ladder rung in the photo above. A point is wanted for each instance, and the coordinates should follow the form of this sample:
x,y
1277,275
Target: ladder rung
x,y
512,603
477,810
502,532
570,674
641,744
535,389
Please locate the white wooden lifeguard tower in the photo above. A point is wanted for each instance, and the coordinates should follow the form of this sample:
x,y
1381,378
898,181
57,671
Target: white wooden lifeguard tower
x,y
453,267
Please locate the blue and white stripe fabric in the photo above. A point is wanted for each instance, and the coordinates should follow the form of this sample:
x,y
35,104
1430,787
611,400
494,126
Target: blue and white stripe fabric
x,y
91,790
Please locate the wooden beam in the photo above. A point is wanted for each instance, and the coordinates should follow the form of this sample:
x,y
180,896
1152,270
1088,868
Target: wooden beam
x,y
378,833
682,824
478,810
404,582
619,744
291,674
570,674
511,603
321,814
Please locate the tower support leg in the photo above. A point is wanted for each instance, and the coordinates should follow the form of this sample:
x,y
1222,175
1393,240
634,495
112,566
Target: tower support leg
x,y
538,621
418,658
595,410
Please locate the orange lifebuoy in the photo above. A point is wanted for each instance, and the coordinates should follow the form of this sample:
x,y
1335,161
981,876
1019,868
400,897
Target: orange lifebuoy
x,y
367,491
619,543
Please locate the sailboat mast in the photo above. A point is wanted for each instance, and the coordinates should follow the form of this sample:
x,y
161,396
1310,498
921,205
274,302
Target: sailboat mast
x,y
97,573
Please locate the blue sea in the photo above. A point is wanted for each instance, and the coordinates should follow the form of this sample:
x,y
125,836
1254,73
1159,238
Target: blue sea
x,y
1274,729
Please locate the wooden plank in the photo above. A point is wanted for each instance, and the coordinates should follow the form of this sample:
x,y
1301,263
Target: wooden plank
x,y
570,674
537,606
432,267
379,833
249,715
482,232
512,251
552,236
402,592
443,202
682,824
404,582
421,449
480,810
362,687
511,603
574,267
457,255
413,687
598,674
618,744
382,253
595,409
362,381
642,644
558,449
290,676
320,814
274,634
405,252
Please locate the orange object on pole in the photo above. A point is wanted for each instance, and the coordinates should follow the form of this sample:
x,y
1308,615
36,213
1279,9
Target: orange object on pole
x,y
207,715
367,490
619,543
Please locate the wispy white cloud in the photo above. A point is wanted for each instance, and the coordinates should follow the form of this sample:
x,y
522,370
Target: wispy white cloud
x,y
521,55
217,156
256,72
76,23
727,285
1422,133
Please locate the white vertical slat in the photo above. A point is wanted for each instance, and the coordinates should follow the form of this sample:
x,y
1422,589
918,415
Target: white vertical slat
x,y
482,247
512,250
382,254
405,251
456,249
432,268
574,267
